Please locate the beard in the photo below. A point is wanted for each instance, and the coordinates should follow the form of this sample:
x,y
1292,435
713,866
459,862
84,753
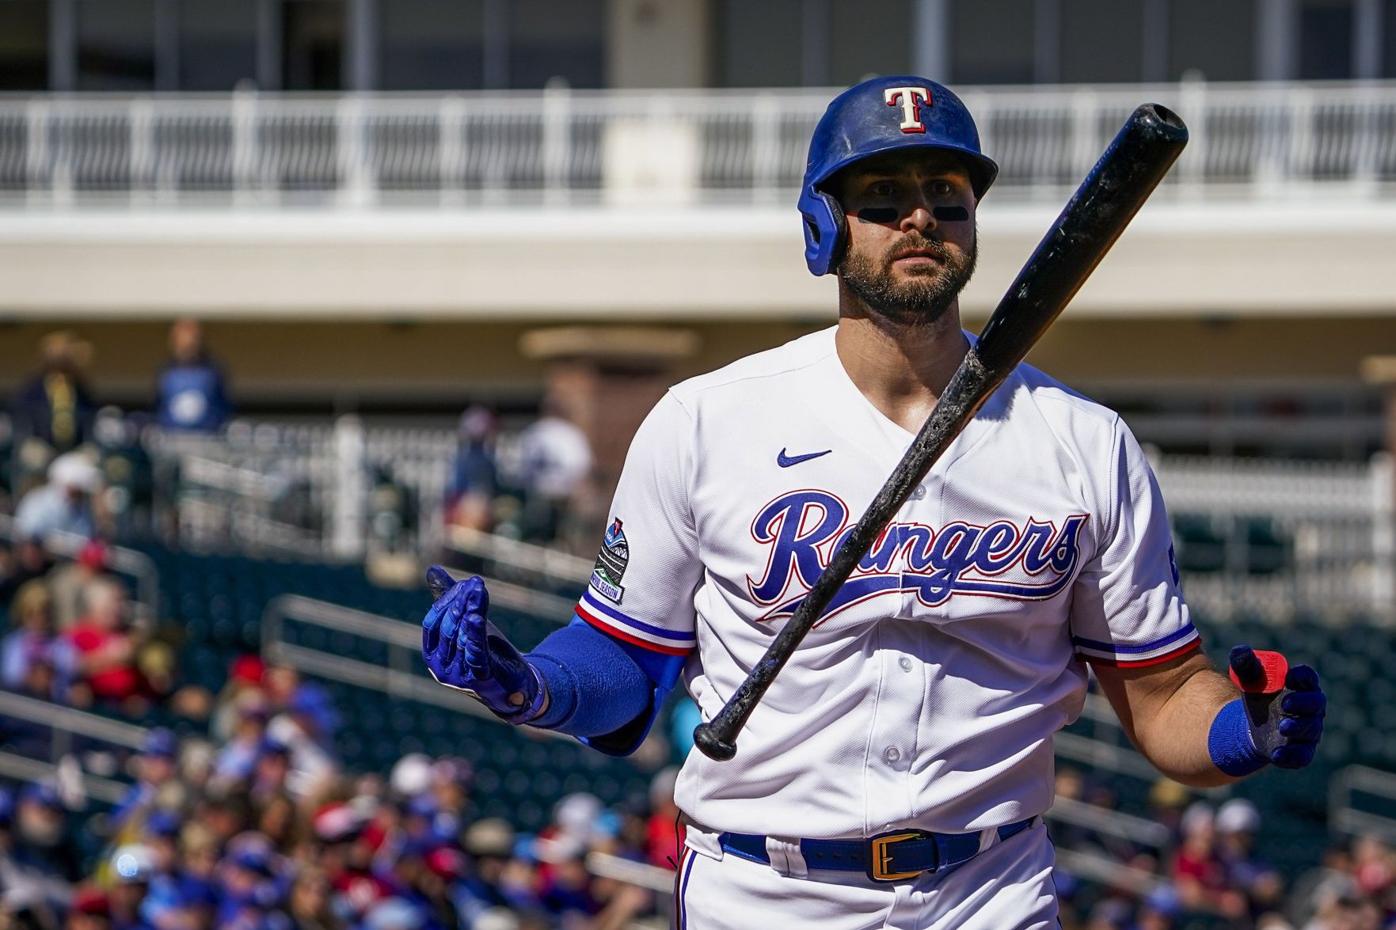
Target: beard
x,y
919,300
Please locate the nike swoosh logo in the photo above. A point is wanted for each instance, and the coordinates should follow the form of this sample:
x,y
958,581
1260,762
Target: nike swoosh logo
x,y
785,461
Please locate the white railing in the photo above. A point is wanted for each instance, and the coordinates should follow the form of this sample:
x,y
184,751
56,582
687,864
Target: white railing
x,y
1349,813
626,147
1288,536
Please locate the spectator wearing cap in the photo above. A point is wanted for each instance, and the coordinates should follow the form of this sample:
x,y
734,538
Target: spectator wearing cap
x,y
154,768
63,504
490,845
105,649
44,848
238,757
307,728
53,410
1237,822
1159,910
1198,872
70,582
90,909
251,877
191,392
33,646
245,677
270,773
474,475
170,903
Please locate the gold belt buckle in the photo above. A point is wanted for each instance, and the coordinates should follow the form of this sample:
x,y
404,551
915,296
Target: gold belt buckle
x,y
880,857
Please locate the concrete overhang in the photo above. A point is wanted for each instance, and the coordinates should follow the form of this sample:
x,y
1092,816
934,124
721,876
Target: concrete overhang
x,y
1209,260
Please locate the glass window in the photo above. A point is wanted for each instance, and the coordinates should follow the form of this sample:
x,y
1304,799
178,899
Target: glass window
x,y
217,44
1325,40
991,41
758,44
433,44
313,49
871,37
1388,50
1102,41
24,45
1216,40
116,44
557,38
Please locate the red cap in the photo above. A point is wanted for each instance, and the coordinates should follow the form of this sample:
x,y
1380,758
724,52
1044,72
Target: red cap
x,y
446,863
89,900
249,669
93,555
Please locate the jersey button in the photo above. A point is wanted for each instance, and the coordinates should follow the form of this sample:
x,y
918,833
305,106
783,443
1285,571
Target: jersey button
x,y
919,493
891,755
905,663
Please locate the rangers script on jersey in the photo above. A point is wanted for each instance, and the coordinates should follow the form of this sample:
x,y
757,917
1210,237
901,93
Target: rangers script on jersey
x,y
928,693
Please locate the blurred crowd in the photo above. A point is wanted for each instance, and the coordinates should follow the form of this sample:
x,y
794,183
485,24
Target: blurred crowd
x,y
74,637
69,464
257,825
1212,872
249,820
537,488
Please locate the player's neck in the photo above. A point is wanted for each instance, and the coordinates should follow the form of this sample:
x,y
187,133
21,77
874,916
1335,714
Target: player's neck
x,y
901,370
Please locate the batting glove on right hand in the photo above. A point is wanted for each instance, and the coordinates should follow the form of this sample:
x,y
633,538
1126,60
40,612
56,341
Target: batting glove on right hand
x,y
463,650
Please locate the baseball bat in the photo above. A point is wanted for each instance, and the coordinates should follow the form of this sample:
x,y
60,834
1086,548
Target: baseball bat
x,y
1126,174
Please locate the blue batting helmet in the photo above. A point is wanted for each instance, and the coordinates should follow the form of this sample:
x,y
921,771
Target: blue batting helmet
x,y
879,115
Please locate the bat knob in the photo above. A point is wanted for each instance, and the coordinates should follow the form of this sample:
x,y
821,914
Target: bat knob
x,y
712,745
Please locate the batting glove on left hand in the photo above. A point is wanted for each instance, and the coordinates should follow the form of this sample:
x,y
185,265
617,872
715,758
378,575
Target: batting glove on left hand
x,y
463,650
1278,718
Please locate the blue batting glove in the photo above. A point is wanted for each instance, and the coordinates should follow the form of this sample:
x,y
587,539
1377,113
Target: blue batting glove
x,y
463,650
1278,718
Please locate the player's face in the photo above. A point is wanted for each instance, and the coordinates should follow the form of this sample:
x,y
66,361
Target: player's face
x,y
911,235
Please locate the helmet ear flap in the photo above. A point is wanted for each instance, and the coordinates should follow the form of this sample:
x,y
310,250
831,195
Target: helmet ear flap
x,y
825,235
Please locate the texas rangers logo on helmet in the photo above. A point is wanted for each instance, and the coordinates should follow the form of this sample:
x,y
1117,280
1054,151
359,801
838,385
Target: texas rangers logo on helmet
x,y
1034,560
910,100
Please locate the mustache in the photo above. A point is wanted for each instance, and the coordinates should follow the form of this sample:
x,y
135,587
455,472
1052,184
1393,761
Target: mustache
x,y
915,242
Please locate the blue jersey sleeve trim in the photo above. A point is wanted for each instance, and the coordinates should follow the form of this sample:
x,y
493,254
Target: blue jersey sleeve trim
x,y
610,613
1125,649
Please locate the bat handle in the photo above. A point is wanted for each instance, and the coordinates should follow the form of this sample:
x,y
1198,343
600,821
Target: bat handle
x,y
710,741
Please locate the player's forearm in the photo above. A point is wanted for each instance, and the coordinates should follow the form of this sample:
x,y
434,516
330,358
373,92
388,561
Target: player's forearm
x,y
1176,738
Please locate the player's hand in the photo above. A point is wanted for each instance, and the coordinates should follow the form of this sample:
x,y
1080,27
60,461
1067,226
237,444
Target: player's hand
x,y
1284,706
463,650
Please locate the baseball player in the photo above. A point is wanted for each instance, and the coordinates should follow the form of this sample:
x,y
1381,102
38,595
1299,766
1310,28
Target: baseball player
x,y
896,773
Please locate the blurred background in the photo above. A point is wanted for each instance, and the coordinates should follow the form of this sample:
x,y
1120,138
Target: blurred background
x,y
297,296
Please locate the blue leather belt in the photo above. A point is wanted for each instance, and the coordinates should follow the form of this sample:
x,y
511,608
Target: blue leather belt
x,y
887,857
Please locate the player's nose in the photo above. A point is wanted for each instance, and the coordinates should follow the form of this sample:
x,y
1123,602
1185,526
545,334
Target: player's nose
x,y
919,216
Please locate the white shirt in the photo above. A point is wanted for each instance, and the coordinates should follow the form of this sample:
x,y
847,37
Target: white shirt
x,y
928,695
556,457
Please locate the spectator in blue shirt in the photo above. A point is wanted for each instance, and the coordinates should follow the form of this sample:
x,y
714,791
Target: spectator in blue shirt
x,y
191,395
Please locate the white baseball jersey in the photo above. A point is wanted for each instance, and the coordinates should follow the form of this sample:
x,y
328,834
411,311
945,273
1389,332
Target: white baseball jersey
x,y
928,693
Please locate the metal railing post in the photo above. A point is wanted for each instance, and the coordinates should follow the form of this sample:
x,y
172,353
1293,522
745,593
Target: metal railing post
x,y
765,148
557,107
450,161
244,131
349,518
1383,483
37,152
